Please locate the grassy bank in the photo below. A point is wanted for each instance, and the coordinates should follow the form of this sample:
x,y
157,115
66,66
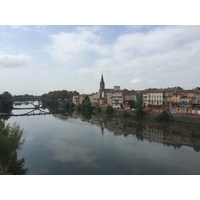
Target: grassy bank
x,y
190,120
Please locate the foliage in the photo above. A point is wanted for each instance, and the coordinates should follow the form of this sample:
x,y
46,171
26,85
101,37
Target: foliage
x,y
1,107
139,105
60,99
6,96
78,108
126,114
86,105
11,141
109,109
98,109
60,94
5,102
131,104
164,116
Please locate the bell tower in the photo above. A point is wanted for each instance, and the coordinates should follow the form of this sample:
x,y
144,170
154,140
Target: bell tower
x,y
102,86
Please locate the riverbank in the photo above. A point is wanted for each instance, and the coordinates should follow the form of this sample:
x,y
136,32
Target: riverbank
x,y
189,119
128,124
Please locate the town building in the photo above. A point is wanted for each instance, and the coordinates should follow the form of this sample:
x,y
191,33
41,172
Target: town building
x,y
129,98
115,97
175,99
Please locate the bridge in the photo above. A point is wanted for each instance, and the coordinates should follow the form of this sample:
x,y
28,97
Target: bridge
x,y
26,98
20,101
29,113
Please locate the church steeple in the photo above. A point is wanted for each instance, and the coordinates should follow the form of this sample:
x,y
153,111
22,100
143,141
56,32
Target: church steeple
x,y
102,86
102,81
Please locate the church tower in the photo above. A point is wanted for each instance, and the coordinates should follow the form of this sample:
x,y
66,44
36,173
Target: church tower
x,y
102,86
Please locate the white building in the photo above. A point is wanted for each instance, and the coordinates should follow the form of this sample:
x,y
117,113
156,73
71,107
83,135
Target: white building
x,y
115,97
153,97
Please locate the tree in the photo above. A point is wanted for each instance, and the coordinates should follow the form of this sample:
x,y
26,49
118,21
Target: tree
x,y
109,109
6,96
6,102
86,105
164,116
139,105
98,109
131,104
11,141
1,107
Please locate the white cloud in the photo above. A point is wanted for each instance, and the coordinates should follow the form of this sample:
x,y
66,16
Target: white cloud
x,y
13,61
157,54
74,47
127,57
135,80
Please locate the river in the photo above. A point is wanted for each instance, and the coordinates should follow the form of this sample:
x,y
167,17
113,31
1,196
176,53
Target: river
x,y
62,144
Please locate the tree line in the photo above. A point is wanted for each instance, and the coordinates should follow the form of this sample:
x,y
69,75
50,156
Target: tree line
x,y
59,100
60,95
5,102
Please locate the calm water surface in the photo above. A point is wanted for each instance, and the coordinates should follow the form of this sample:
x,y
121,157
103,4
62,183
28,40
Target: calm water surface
x,y
57,144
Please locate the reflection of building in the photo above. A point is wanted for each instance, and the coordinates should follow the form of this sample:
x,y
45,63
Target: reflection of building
x,y
173,136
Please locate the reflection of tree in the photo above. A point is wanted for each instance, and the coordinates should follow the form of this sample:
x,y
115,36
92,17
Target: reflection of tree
x,y
139,131
10,141
196,142
166,134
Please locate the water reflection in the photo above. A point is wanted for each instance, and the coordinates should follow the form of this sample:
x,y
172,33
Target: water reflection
x,y
75,144
167,134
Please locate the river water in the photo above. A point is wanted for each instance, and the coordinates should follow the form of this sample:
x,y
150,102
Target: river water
x,y
61,144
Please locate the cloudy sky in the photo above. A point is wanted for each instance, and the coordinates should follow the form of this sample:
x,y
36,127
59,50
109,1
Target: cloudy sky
x,y
39,59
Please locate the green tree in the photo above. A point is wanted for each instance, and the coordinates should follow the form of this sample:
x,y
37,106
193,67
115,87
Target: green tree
x,y
72,106
125,114
99,109
131,104
86,105
11,141
139,105
6,102
78,108
164,116
109,109
6,96
1,107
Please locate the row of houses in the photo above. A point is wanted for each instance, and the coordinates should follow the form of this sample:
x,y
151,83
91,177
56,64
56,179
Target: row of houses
x,y
174,100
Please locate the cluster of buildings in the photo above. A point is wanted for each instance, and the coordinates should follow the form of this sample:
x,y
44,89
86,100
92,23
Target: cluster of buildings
x,y
174,100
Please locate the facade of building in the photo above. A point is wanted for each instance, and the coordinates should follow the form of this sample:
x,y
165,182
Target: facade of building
x,y
174,100
115,97
75,99
78,99
129,98
153,98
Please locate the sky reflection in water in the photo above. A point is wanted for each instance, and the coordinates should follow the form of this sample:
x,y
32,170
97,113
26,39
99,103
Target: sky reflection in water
x,y
73,146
